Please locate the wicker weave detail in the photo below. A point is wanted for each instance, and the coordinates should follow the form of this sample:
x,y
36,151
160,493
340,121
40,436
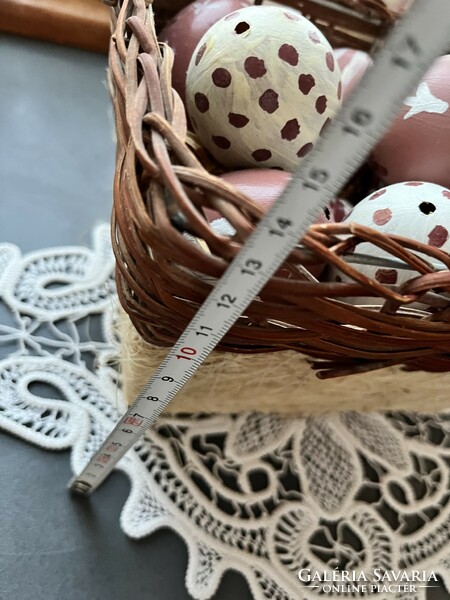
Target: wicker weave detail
x,y
168,257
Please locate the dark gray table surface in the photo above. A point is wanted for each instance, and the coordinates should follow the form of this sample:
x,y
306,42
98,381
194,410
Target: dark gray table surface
x,y
56,169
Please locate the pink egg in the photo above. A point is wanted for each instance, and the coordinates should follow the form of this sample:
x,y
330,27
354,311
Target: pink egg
x,y
186,29
263,186
417,147
353,65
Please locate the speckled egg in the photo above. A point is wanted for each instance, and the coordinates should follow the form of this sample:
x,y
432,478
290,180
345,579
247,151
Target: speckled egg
x,y
416,210
353,65
417,146
261,86
186,29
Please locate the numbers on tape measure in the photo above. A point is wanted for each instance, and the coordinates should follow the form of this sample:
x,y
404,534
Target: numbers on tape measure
x,y
135,420
187,353
360,119
103,459
226,301
204,331
282,225
409,51
316,179
251,267
113,446
152,398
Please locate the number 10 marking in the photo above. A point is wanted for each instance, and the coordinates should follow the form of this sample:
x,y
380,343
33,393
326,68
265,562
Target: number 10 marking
x,y
187,353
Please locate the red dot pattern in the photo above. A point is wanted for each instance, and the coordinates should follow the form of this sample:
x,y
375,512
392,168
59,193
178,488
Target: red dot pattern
x,y
383,216
221,142
321,104
446,194
414,183
330,61
200,54
255,67
306,82
221,77
262,155
377,194
268,101
304,150
438,236
289,54
291,130
339,210
386,276
237,120
201,102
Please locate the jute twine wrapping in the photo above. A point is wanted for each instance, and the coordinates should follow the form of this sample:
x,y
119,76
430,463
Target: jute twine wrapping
x,y
281,382
164,181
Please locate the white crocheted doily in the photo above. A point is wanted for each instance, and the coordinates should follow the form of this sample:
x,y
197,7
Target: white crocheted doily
x,y
263,495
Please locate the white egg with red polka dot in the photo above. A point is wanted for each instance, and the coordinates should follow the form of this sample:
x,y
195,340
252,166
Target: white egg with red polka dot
x,y
416,210
262,85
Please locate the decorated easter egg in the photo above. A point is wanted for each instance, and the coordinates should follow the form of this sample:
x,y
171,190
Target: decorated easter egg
x,y
416,210
353,65
264,186
340,209
418,144
262,84
185,30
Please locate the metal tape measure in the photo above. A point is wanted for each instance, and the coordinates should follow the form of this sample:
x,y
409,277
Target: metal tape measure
x,y
415,41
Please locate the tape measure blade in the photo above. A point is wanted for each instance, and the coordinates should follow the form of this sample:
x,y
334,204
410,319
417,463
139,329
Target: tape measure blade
x,y
409,49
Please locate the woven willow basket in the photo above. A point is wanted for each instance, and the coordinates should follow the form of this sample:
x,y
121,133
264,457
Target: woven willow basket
x,y
168,257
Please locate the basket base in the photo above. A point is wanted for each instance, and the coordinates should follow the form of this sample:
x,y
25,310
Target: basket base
x,y
281,382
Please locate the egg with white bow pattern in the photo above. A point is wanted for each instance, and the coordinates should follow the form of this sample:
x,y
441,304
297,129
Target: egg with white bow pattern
x,y
417,146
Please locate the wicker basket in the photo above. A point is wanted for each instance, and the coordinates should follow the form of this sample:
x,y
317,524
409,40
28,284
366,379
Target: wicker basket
x,y
164,181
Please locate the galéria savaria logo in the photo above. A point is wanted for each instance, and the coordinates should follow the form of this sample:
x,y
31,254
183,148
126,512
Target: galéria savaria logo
x,y
360,582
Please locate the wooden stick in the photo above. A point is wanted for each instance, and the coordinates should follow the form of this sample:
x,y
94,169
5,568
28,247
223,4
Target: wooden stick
x,y
80,23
